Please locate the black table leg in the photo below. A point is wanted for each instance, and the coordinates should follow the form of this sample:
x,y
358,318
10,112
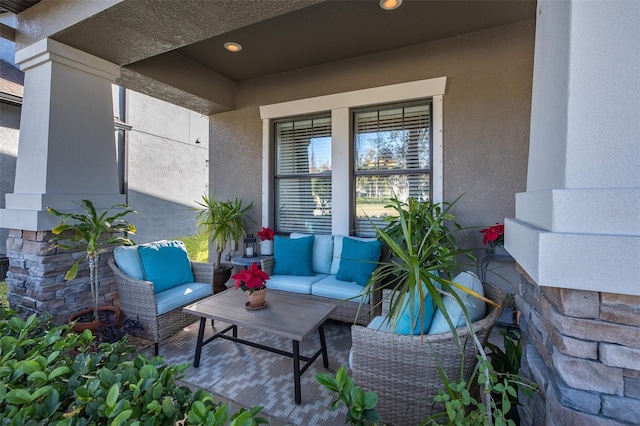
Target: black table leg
x,y
235,331
203,324
323,346
296,371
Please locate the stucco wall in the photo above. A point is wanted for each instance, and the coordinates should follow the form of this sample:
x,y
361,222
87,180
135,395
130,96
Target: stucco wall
x,y
486,117
9,132
167,169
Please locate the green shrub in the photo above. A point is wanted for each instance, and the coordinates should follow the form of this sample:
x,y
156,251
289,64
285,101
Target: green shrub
x,y
49,376
197,246
4,302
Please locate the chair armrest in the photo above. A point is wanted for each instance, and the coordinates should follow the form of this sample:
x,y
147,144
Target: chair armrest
x,y
202,272
133,293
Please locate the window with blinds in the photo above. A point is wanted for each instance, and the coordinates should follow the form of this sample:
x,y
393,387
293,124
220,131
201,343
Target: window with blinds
x,y
392,154
303,175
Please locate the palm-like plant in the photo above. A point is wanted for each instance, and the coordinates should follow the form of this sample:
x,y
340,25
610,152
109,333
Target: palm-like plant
x,y
223,221
424,255
94,233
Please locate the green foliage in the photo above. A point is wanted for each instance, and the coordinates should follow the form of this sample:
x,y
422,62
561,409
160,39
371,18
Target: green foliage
x,y
222,221
4,302
423,249
92,233
49,376
360,405
197,246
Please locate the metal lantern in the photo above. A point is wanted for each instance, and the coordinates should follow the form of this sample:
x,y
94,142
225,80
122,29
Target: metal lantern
x,y
250,246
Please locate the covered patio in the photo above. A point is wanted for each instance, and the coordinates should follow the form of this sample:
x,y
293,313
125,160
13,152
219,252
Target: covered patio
x,y
533,119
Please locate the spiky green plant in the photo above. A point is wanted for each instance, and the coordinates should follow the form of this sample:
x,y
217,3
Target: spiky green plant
x,y
223,221
423,248
94,234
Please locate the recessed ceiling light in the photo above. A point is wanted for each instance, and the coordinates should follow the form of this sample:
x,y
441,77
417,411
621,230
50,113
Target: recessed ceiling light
x,y
232,46
390,4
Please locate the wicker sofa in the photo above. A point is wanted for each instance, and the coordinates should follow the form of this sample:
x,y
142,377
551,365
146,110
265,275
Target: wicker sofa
x,y
159,312
401,369
324,285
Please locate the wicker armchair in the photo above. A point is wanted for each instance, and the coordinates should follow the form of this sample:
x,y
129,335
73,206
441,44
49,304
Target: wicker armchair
x,y
402,369
137,300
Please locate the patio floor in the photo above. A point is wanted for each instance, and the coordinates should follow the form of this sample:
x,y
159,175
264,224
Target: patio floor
x,y
242,376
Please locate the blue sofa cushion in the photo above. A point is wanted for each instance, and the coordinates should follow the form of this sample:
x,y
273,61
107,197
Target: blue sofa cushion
x,y
475,307
322,252
294,283
293,256
337,250
128,261
181,295
359,260
340,290
410,320
380,323
165,264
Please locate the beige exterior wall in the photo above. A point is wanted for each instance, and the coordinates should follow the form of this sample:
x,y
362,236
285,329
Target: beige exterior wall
x,y
486,117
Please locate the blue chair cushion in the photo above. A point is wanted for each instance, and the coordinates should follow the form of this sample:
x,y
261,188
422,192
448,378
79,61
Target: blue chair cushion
x,y
380,323
322,252
293,256
359,260
128,261
165,264
340,290
475,307
294,283
411,320
181,295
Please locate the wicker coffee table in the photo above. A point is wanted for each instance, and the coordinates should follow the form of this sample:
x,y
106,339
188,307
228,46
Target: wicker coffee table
x,y
284,316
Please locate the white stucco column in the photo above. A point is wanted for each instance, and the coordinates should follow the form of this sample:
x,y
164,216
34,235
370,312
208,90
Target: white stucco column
x,y
578,224
66,148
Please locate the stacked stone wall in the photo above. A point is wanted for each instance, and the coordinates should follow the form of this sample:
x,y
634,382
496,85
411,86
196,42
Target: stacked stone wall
x,y
35,280
582,348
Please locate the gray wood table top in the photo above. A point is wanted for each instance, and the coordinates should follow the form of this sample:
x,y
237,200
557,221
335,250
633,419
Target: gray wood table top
x,y
284,316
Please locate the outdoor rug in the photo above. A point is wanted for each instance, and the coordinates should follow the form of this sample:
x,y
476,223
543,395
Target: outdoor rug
x,y
249,376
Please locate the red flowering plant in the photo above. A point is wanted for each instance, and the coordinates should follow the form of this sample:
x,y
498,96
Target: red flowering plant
x,y
251,279
493,235
266,234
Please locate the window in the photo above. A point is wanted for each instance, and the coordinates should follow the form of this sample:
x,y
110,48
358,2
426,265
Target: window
x,y
391,158
323,173
303,175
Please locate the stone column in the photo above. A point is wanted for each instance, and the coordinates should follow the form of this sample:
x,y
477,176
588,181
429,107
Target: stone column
x,y
66,154
576,235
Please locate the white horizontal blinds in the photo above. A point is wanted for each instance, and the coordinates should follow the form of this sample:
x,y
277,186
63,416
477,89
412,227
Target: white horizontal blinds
x,y
303,175
392,157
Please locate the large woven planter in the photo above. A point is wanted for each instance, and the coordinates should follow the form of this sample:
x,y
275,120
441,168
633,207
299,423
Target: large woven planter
x,y
402,369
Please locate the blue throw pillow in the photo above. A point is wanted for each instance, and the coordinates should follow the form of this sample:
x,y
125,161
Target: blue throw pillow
x,y
128,260
358,260
410,321
293,256
165,264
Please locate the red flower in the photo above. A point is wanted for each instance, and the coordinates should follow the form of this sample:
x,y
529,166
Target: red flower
x,y
493,234
266,234
252,278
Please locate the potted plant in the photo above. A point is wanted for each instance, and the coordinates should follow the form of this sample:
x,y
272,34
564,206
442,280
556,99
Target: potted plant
x,y
94,234
494,239
424,250
223,221
266,235
253,281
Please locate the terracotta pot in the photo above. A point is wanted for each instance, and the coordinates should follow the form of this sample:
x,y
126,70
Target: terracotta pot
x,y
220,277
79,327
257,297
